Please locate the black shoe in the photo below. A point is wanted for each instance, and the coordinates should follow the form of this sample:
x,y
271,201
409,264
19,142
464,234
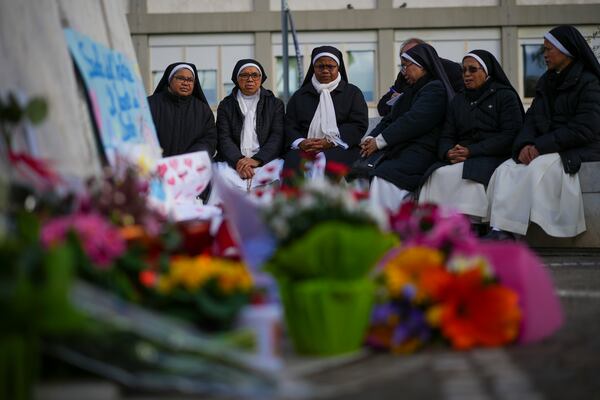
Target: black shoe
x,y
499,235
480,230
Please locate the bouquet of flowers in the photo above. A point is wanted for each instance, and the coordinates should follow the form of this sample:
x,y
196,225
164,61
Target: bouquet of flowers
x,y
127,247
327,244
442,284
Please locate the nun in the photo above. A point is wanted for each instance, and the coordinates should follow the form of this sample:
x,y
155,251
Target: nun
x,y
327,117
561,130
410,132
453,72
481,125
250,130
183,119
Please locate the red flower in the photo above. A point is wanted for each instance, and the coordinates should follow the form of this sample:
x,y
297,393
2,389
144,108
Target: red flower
x,y
148,278
336,168
360,195
308,155
472,312
28,165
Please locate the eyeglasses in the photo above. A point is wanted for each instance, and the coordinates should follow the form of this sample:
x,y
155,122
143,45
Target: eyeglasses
x,y
471,69
184,79
254,76
403,67
329,67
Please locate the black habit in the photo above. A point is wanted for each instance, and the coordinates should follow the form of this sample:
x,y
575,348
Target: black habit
x,y
484,120
183,124
412,129
453,70
269,123
564,116
351,114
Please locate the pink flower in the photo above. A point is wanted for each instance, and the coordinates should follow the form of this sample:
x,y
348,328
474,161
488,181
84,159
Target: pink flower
x,y
100,240
426,225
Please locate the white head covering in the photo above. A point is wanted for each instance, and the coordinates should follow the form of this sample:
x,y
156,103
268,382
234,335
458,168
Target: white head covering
x,y
182,66
325,54
324,123
406,56
249,65
550,37
249,144
479,60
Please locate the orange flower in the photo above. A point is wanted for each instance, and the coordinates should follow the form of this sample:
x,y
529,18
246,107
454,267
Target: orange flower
x,y
408,267
473,313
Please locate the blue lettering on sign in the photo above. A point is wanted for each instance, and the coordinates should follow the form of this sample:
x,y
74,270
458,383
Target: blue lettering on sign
x,y
116,92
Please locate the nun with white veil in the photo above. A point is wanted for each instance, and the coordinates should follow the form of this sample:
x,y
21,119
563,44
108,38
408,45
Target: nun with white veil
x,y
561,130
410,132
326,118
250,130
481,125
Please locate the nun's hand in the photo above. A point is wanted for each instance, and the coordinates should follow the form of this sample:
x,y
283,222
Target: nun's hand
x,y
309,145
368,147
322,144
528,153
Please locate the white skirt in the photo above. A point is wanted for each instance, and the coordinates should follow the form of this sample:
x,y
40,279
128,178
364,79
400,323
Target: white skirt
x,y
263,177
387,196
540,192
447,188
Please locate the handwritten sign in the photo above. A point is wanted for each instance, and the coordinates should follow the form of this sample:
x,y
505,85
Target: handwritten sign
x,y
118,100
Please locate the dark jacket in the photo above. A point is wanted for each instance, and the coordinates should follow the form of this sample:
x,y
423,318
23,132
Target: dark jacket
x,y
351,114
453,70
572,128
486,126
183,124
269,128
411,131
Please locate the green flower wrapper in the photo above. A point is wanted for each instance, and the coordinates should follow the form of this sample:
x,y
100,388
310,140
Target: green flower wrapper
x,y
327,317
331,250
326,294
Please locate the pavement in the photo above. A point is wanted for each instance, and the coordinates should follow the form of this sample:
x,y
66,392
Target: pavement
x,y
564,366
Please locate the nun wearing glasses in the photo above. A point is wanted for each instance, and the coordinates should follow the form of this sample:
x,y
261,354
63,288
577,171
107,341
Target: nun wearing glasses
x,y
250,130
481,125
183,119
410,132
561,130
327,117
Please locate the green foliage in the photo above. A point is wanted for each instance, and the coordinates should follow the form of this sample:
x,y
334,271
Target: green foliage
x,y
34,283
331,250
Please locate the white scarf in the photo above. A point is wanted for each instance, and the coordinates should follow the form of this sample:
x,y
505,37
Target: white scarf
x,y
249,144
324,124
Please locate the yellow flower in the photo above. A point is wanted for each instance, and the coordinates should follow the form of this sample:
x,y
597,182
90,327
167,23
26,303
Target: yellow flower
x,y
408,266
433,315
194,273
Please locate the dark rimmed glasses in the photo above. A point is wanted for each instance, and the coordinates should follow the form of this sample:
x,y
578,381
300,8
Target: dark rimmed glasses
x,y
253,76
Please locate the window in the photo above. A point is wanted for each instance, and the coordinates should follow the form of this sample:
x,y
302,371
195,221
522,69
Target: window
x,y
294,80
533,67
156,75
227,88
208,81
361,71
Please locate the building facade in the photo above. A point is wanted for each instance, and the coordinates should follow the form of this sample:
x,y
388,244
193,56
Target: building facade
x,y
214,34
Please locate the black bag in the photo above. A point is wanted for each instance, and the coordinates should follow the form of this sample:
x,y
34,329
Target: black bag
x,y
362,167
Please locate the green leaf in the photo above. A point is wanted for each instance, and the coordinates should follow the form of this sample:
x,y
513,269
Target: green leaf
x,y
37,110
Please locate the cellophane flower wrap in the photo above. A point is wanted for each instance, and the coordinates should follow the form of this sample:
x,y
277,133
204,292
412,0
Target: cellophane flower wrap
x,y
437,287
328,243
